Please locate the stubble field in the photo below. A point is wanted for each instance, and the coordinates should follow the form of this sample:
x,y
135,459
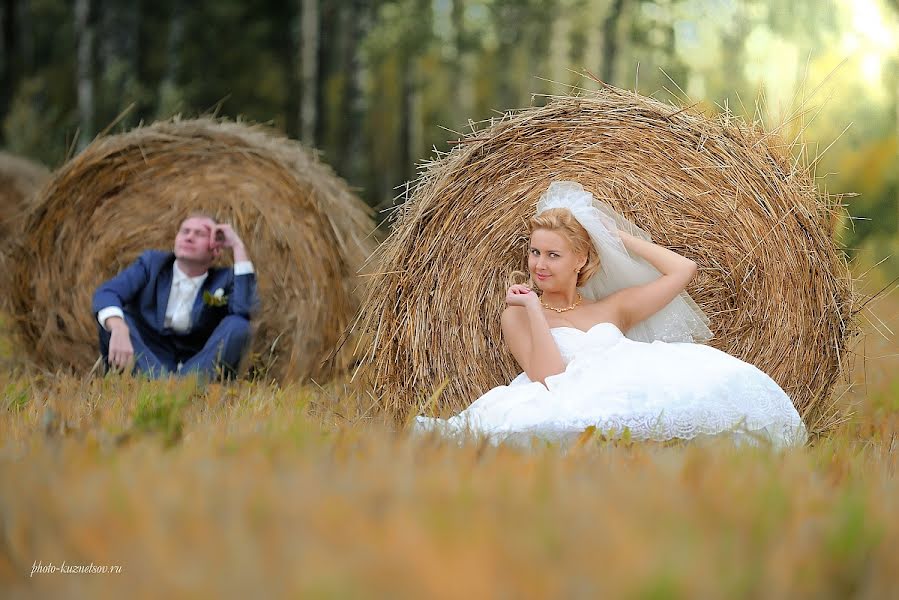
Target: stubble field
x,y
304,490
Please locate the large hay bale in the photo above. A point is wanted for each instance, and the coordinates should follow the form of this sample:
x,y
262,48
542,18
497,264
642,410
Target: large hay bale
x,y
305,231
717,190
20,179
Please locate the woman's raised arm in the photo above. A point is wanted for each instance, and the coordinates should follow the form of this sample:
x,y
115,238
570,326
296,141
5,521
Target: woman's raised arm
x,y
638,303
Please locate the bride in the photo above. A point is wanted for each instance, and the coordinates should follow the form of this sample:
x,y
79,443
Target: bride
x,y
611,343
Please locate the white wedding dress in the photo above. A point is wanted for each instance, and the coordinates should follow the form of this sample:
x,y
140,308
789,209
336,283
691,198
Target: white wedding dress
x,y
655,391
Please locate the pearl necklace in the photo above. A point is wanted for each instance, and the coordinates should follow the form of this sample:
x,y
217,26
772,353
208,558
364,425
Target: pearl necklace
x,y
561,310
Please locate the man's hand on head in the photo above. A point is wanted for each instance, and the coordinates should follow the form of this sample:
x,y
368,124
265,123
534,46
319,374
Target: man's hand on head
x,y
224,236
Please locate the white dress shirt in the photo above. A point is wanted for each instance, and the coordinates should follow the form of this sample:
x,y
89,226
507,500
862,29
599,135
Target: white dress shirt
x,y
181,300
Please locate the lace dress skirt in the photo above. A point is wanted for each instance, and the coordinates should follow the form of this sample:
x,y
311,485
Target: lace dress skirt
x,y
654,391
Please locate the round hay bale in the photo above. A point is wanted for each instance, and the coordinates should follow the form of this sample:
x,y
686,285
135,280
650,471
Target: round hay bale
x,y
721,192
20,179
305,231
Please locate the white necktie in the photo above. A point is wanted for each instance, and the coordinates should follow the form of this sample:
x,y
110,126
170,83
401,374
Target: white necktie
x,y
181,314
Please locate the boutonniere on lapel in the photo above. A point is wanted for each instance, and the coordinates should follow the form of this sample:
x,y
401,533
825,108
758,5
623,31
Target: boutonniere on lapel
x,y
217,298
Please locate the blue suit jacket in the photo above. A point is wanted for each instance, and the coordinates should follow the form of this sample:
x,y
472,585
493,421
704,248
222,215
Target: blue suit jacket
x,y
142,292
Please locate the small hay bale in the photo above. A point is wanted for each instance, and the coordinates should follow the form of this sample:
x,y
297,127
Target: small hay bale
x,y
306,233
20,179
719,191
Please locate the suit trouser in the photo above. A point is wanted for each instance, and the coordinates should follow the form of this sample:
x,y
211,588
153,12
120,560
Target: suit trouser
x,y
158,356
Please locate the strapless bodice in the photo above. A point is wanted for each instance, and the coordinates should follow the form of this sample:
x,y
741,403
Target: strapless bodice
x,y
572,341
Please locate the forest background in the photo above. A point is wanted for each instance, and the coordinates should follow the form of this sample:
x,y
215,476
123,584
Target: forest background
x,y
377,85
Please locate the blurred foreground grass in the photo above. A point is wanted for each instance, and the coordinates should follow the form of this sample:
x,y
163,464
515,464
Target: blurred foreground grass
x,y
255,490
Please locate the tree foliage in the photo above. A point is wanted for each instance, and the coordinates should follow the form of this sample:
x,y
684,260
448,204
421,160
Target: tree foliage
x,y
386,81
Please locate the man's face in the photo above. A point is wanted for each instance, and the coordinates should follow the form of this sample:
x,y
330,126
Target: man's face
x,y
193,241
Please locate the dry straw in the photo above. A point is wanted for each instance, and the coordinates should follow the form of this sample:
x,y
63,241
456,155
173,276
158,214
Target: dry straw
x,y
305,231
717,190
20,179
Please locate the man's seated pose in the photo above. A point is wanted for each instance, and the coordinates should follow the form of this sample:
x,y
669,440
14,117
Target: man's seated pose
x,y
172,314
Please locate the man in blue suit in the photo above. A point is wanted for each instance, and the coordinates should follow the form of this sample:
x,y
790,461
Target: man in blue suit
x,y
172,313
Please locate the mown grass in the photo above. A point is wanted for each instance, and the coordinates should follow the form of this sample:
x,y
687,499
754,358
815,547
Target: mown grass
x,y
257,490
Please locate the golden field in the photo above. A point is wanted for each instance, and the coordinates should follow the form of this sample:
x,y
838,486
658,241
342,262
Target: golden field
x,y
255,490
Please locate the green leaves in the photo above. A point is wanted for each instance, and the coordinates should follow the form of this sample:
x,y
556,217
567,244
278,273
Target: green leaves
x,y
214,300
160,411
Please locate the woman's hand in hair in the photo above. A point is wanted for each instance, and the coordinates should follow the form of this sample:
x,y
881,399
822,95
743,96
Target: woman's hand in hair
x,y
521,295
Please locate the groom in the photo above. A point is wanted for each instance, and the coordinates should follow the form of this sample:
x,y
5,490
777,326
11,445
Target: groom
x,y
172,313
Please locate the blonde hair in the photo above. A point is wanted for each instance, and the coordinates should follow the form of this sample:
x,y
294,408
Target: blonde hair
x,y
563,222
